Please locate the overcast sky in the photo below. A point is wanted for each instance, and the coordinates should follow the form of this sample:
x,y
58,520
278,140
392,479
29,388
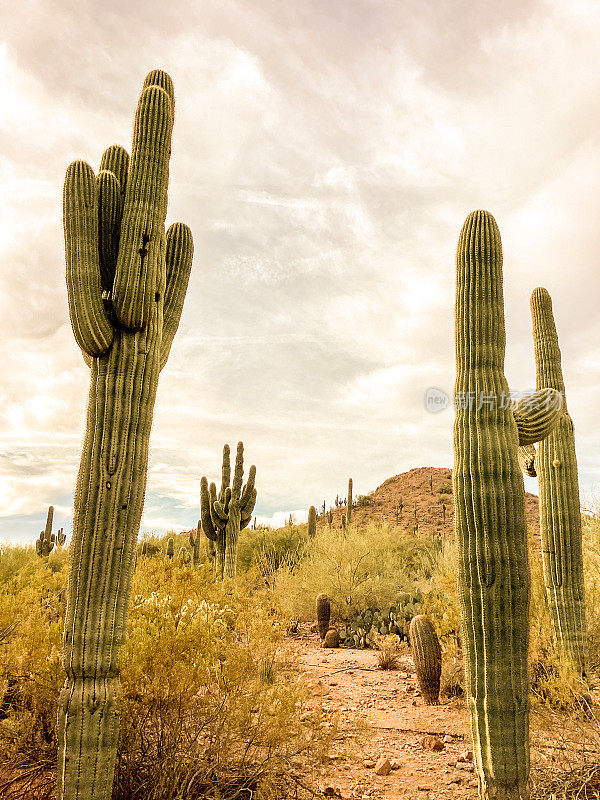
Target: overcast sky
x,y
325,155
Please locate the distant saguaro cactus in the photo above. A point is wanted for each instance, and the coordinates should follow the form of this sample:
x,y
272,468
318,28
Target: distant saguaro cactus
x,y
61,537
184,556
427,655
560,513
45,544
489,514
225,515
312,522
195,542
344,522
323,614
126,284
170,551
349,502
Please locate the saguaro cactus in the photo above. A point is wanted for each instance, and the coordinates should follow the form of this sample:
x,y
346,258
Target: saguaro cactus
x,y
489,513
45,544
195,542
349,502
126,284
427,655
223,517
560,513
323,614
170,551
312,522
61,537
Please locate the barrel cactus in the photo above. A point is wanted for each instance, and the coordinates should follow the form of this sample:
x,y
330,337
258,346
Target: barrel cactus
x,y
331,638
170,551
225,515
312,522
560,513
323,614
489,513
184,557
427,655
126,282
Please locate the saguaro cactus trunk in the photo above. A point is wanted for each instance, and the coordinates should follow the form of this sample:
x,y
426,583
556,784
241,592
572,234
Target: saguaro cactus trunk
x,y
560,513
494,580
349,503
126,283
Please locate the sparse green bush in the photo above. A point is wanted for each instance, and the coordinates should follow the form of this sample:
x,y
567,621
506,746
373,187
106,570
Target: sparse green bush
x,y
364,500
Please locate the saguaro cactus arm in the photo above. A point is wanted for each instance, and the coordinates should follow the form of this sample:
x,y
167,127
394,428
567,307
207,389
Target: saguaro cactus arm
x,y
179,263
493,574
537,415
527,460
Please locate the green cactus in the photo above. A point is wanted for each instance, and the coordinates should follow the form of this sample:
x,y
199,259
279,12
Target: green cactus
x,y
489,509
223,517
61,537
527,460
560,513
349,503
331,638
195,543
323,614
126,283
170,551
45,544
537,415
312,522
427,655
184,556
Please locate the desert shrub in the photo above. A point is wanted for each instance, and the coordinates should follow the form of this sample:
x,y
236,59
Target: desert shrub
x,y
268,550
212,705
364,500
368,567
445,488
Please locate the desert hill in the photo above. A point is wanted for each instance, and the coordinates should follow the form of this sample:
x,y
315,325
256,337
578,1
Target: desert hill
x,y
422,498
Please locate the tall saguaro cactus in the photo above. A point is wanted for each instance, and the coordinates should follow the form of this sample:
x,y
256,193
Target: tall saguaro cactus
x,y
489,506
560,513
349,503
225,515
126,284
45,543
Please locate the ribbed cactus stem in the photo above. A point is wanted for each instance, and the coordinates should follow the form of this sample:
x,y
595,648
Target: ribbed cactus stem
x,y
349,502
170,551
560,513
312,522
527,460
126,280
195,538
537,415
225,515
49,521
489,507
323,614
427,655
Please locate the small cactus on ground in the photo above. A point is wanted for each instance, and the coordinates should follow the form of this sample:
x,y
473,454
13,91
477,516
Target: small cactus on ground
x,y
170,547
323,614
195,538
225,515
332,638
427,655
560,513
184,556
45,543
312,522
349,502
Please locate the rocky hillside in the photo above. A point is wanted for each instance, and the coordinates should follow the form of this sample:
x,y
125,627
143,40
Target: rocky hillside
x,y
419,498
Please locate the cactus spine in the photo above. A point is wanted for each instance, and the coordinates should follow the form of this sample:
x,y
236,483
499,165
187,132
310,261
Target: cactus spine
x,y
312,522
489,513
560,513
126,283
223,517
323,614
427,655
195,541
349,502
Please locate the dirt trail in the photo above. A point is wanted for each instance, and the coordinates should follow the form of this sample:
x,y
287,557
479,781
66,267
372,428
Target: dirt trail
x,y
381,713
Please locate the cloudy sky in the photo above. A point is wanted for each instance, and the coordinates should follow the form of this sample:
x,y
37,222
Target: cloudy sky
x,y
325,154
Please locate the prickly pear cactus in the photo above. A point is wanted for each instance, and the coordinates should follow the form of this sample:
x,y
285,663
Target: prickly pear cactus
x,y
323,614
489,513
560,513
195,543
126,282
427,655
225,515
312,522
